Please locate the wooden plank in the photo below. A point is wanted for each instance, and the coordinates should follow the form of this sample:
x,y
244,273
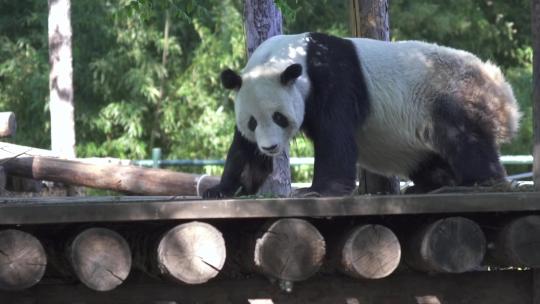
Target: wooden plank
x,y
502,287
105,209
535,26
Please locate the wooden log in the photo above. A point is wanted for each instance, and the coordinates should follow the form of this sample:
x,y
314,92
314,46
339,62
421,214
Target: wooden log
x,y
22,184
128,179
449,245
517,243
288,249
22,260
3,180
369,252
100,258
190,253
8,124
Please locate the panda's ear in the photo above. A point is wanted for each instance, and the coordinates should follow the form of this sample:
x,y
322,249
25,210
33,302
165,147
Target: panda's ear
x,y
290,74
231,80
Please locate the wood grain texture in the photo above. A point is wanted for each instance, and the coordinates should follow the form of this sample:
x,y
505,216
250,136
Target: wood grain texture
x,y
191,253
517,243
100,258
370,252
22,260
289,249
132,208
450,245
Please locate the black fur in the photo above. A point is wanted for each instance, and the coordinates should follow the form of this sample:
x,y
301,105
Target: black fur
x,y
337,105
290,74
245,170
335,108
231,80
465,141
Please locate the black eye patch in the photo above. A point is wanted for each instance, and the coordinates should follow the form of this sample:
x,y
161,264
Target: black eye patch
x,y
252,124
280,120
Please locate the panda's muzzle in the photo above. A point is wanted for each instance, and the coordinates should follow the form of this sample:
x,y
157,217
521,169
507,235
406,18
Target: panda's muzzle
x,y
270,149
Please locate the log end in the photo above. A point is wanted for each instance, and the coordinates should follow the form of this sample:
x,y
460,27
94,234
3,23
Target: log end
x,y
191,253
100,258
520,241
449,245
289,250
22,260
370,252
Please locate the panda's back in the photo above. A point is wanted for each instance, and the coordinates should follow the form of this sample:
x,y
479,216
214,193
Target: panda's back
x,y
405,81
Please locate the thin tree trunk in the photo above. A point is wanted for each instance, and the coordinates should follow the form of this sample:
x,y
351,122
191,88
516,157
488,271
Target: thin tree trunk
x,y
61,79
535,17
164,57
369,19
262,21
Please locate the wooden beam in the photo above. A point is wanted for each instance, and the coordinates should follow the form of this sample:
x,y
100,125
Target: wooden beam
x,y
517,243
128,179
8,124
369,252
190,253
100,258
494,287
535,18
22,260
288,249
433,247
30,210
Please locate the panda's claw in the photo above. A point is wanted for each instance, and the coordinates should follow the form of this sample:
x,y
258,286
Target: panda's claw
x,y
305,192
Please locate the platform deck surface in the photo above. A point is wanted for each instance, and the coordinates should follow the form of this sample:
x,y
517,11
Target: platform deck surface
x,y
40,210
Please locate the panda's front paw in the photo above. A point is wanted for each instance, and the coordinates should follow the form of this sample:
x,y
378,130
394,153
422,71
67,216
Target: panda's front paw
x,y
213,193
305,192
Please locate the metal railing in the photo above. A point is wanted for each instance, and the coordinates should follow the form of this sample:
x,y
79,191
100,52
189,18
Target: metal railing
x,y
157,162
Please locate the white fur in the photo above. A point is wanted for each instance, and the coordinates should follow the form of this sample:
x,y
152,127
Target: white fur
x,y
262,94
402,79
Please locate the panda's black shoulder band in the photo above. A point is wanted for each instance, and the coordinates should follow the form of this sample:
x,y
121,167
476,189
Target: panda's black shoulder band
x,y
231,80
290,74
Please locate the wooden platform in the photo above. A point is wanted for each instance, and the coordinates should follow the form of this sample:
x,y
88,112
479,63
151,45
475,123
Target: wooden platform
x,y
41,210
503,287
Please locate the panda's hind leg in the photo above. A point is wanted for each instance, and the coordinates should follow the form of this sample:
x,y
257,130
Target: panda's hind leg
x,y
431,174
465,140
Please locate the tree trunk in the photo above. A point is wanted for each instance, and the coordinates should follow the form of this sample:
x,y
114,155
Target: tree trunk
x,y
535,17
155,133
8,124
262,21
369,19
61,79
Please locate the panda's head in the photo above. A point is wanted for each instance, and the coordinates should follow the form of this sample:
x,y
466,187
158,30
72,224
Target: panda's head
x,y
269,107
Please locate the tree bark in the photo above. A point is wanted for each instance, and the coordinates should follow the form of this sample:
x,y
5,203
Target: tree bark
x,y
61,79
262,21
369,19
8,124
535,17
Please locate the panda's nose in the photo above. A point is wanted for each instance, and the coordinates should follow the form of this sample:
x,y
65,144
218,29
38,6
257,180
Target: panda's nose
x,y
270,148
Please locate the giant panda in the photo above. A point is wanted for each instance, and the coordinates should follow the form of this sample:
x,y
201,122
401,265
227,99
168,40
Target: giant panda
x,y
430,113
